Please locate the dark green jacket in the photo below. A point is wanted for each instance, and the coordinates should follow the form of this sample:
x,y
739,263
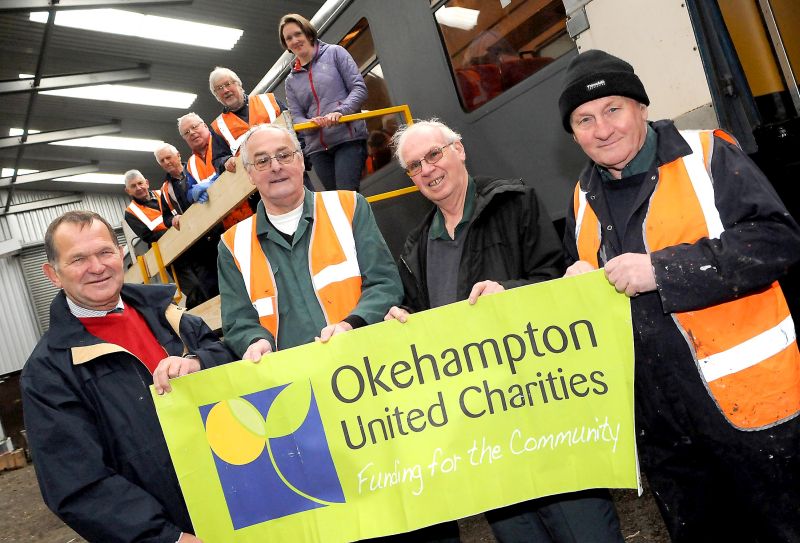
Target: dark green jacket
x,y
300,316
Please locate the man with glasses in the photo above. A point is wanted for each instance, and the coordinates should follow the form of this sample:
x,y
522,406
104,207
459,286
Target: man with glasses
x,y
239,113
200,168
316,259
485,235
195,267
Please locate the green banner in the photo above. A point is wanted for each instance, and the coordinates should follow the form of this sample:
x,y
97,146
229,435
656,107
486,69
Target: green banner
x,y
393,427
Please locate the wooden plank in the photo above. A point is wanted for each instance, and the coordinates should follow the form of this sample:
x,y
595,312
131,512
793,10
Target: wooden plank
x,y
209,311
134,275
13,460
230,190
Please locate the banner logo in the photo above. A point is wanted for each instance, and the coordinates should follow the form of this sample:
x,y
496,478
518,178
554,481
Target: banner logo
x,y
272,458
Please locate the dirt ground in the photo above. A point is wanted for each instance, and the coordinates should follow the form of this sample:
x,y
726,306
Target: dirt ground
x,y
25,519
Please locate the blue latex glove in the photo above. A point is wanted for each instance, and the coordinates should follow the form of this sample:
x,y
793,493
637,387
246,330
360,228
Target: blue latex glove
x,y
198,193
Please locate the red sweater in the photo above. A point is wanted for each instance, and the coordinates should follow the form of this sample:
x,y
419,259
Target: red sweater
x,y
130,331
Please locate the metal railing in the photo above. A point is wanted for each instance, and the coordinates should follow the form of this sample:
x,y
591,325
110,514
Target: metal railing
x,y
154,258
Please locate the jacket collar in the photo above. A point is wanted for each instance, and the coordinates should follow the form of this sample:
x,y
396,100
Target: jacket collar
x,y
670,146
265,228
66,331
241,109
488,188
318,49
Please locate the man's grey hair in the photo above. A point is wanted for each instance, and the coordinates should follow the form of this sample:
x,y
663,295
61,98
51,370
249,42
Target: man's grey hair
x,y
133,175
219,72
273,127
190,115
407,130
168,146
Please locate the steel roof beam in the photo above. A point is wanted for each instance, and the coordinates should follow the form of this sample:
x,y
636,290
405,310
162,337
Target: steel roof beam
x,y
59,135
42,5
49,174
66,81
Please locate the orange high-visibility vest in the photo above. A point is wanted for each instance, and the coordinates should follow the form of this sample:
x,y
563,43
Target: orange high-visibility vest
x,y
745,349
262,109
152,218
333,262
202,169
169,195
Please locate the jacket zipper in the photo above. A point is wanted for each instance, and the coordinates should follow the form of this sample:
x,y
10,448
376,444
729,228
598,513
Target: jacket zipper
x,y
316,98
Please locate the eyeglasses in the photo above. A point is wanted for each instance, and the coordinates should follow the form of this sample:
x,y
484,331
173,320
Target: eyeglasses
x,y
263,162
431,157
191,129
220,88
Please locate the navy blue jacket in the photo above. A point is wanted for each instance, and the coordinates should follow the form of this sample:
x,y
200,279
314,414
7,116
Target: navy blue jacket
x,y
101,458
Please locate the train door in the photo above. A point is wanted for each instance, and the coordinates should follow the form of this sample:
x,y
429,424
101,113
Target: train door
x,y
752,50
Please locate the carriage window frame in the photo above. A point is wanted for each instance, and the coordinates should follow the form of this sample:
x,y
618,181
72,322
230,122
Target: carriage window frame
x,y
491,47
360,43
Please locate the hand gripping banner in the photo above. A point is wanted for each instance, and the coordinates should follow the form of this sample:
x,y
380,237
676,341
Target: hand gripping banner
x,y
393,427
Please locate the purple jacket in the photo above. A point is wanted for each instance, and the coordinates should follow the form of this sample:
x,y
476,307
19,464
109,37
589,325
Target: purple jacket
x,y
331,83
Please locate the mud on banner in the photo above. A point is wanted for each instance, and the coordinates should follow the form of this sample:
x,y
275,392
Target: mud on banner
x,y
393,427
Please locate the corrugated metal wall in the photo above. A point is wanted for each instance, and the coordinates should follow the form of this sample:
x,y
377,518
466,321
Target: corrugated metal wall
x,y
25,293
17,321
30,226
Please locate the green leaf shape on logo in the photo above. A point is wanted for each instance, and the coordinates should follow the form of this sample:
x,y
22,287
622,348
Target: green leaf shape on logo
x,y
289,410
248,416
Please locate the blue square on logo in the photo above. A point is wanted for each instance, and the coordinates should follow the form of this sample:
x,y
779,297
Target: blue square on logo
x,y
270,477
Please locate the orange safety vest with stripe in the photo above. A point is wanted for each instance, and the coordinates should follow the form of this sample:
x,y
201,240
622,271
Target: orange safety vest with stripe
x,y
745,349
169,197
333,262
262,109
203,169
151,218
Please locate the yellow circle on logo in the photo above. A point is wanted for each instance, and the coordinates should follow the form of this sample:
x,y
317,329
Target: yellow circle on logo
x,y
235,431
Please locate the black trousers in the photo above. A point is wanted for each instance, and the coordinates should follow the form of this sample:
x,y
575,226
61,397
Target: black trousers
x,y
197,272
579,517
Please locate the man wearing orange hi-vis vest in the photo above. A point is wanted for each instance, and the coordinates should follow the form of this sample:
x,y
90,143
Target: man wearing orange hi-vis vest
x,y
306,265
689,228
200,167
143,214
239,113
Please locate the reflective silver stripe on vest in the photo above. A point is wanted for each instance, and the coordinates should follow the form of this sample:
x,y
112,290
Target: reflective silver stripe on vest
x,y
242,245
151,224
580,213
344,233
701,181
750,352
233,143
192,164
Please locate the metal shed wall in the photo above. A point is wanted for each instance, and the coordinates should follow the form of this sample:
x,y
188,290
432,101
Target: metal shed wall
x,y
17,319
29,226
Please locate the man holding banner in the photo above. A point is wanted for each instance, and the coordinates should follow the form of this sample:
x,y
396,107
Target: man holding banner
x,y
686,225
317,260
483,236
101,458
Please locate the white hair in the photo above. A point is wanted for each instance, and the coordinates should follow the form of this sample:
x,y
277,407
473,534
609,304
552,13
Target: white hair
x,y
190,115
399,137
164,145
132,175
275,128
218,72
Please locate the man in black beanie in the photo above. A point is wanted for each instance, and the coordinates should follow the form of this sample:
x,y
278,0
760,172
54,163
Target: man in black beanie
x,y
688,227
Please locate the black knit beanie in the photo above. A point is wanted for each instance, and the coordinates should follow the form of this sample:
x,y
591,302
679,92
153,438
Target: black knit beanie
x,y
596,74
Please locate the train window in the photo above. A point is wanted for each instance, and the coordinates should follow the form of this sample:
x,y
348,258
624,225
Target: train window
x,y
493,45
360,45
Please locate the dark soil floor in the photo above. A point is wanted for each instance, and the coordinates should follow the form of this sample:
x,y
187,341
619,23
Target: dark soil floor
x,y
25,519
